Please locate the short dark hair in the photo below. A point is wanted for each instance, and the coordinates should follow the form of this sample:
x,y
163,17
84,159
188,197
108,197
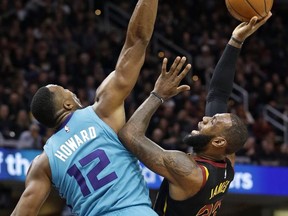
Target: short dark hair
x,y
236,135
43,107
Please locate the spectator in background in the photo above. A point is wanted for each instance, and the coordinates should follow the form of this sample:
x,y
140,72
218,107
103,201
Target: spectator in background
x,y
21,123
30,139
245,115
5,122
204,61
284,155
158,136
15,104
2,140
247,155
267,154
47,134
261,127
281,97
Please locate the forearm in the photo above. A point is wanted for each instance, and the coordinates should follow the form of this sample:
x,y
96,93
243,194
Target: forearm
x,y
142,21
170,164
24,212
38,186
26,206
133,133
31,200
221,84
140,120
132,56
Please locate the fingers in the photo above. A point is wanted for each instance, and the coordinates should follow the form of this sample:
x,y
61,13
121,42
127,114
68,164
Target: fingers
x,y
269,14
180,65
183,88
241,25
184,72
253,21
176,68
168,82
175,63
164,66
262,21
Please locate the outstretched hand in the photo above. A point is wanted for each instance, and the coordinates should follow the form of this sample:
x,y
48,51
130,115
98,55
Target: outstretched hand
x,y
245,29
167,84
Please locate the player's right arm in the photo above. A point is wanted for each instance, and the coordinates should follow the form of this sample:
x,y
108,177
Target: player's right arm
x,y
178,167
37,188
117,86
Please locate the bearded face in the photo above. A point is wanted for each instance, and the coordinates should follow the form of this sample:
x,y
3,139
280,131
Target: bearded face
x,y
208,128
199,142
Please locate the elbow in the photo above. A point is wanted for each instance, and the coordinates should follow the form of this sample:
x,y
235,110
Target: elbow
x,y
139,38
122,134
144,39
128,134
125,134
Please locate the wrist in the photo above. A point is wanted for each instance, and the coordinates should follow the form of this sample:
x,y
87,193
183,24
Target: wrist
x,y
235,42
157,96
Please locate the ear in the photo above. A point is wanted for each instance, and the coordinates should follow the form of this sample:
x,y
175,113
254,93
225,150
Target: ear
x,y
219,142
68,105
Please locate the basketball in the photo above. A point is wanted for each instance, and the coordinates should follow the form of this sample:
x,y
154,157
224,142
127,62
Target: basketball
x,y
244,10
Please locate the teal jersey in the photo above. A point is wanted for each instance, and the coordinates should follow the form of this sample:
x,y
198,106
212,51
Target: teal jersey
x,y
93,171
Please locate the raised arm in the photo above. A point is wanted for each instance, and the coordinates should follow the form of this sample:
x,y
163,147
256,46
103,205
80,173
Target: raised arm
x,y
118,85
37,188
221,84
170,164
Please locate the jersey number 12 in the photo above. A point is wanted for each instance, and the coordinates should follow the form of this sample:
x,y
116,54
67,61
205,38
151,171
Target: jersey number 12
x,y
95,182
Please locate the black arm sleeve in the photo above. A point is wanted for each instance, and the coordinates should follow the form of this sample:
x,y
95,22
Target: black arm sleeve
x,y
221,83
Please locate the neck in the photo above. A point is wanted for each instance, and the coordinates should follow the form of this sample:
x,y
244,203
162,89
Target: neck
x,y
61,117
211,157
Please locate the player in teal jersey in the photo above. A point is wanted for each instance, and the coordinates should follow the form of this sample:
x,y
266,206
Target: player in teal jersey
x,y
84,159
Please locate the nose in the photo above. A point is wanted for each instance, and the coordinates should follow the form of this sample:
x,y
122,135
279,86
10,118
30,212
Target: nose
x,y
206,119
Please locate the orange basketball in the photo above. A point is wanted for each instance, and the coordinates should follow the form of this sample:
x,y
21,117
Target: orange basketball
x,y
244,10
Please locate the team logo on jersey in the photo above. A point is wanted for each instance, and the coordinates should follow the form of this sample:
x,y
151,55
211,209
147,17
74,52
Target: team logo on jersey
x,y
67,129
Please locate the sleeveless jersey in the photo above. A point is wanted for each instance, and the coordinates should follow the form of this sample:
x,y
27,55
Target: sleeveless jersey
x,y
93,171
207,201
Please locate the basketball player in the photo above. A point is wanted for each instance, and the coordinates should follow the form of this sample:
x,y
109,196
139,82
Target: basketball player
x,y
84,159
194,184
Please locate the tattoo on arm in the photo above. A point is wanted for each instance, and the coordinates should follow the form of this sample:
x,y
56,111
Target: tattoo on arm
x,y
170,164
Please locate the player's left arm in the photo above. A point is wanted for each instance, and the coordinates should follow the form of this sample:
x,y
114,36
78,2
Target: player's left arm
x,y
37,188
176,166
221,84
117,86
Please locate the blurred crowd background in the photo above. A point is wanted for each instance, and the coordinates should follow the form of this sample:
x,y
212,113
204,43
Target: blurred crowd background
x,y
67,43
